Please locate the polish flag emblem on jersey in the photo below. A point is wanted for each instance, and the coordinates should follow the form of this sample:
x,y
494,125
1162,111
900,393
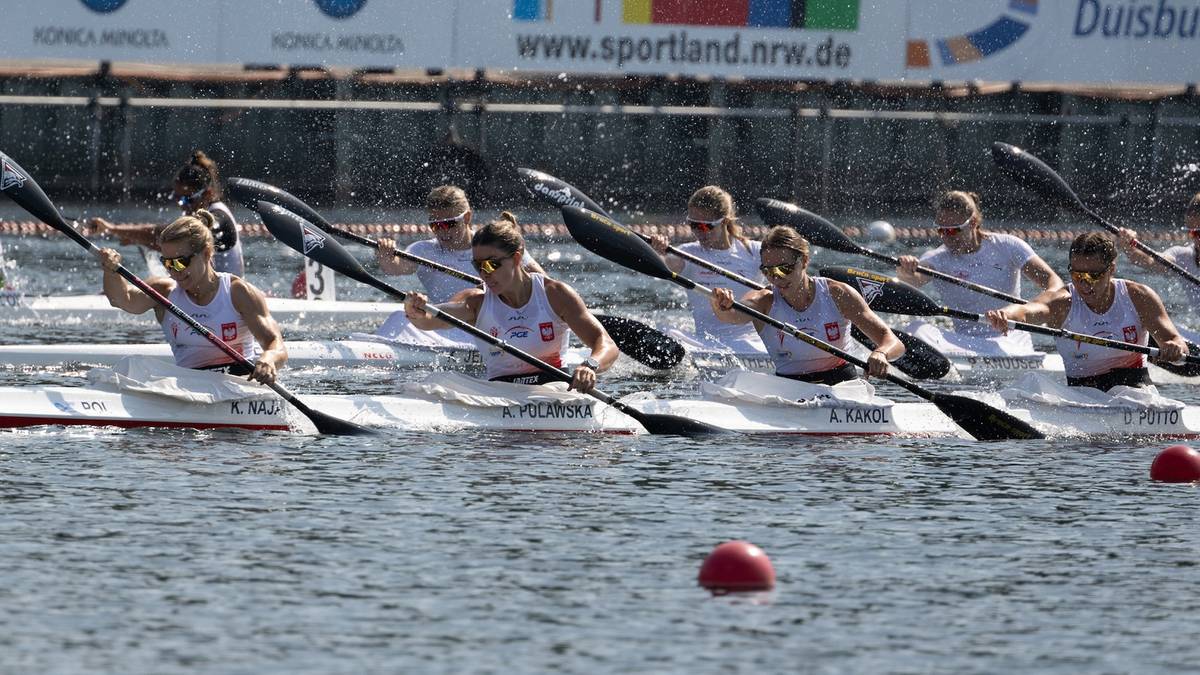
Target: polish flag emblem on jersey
x,y
229,332
833,332
1130,333
547,331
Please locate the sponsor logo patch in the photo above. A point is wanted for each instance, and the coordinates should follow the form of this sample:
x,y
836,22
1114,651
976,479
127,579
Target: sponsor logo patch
x,y
869,289
312,239
10,177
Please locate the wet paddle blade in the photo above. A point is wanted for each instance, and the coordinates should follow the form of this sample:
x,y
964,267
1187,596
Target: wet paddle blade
x,y
920,361
297,233
674,425
20,187
884,293
557,192
611,240
1031,172
643,343
817,230
250,192
983,421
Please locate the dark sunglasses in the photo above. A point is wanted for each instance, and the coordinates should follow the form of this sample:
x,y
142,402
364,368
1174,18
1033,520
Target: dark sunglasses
x,y
447,223
777,271
192,198
177,264
1089,278
489,265
703,226
952,230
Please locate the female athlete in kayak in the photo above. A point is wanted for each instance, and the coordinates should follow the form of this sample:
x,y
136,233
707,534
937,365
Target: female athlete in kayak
x,y
991,259
1186,256
450,218
820,307
230,307
719,240
1097,303
197,186
525,309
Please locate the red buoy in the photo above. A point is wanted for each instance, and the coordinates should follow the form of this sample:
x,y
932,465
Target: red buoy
x,y
1176,464
737,566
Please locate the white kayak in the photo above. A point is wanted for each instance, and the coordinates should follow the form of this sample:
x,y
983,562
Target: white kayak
x,y
149,393
16,306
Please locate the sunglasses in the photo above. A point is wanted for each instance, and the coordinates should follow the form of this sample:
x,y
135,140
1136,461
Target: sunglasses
x,y
177,264
447,223
489,265
703,226
195,196
777,271
1089,278
952,230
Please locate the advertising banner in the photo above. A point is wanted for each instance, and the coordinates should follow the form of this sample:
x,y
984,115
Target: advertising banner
x,y
356,33
1064,41
802,39
152,31
1067,41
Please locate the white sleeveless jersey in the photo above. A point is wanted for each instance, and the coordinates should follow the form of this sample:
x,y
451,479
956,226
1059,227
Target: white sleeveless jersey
x,y
822,320
997,264
440,286
230,261
739,259
1185,257
534,328
1120,322
193,350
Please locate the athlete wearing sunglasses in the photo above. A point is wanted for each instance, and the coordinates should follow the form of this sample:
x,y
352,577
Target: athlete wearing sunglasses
x,y
1097,303
1186,255
230,307
991,259
525,309
450,221
820,307
712,220
197,186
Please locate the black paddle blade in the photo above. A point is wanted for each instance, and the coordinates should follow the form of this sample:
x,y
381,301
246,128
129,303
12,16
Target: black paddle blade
x,y
817,230
920,361
250,192
333,426
557,192
610,240
20,187
299,234
883,293
674,425
983,421
647,345
1033,173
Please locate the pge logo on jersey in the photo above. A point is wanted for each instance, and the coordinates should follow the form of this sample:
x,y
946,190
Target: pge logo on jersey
x,y
340,9
1012,23
103,6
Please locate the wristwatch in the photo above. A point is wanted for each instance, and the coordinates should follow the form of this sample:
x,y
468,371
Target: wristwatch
x,y
592,363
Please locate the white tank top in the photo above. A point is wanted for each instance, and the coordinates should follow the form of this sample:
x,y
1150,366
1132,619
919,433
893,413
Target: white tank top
x,y
230,261
1185,257
1120,322
739,259
822,320
997,264
193,350
534,328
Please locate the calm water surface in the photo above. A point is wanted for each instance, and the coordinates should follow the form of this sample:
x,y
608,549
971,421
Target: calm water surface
x,y
236,552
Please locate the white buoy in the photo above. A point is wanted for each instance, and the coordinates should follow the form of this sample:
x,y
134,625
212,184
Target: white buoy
x,y
881,230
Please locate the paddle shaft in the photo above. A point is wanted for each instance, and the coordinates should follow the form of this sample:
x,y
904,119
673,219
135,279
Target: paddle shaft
x,y
1070,335
492,340
1158,257
805,337
946,277
367,241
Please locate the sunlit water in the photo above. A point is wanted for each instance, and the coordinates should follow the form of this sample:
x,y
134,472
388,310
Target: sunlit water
x,y
237,552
